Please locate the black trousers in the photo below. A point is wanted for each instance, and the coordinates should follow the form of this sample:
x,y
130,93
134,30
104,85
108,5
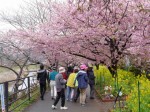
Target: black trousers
x,y
92,90
61,95
42,89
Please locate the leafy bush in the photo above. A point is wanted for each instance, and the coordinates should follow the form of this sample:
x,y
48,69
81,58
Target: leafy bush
x,y
103,77
144,90
128,81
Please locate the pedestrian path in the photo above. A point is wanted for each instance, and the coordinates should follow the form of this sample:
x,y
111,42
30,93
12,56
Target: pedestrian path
x,y
92,106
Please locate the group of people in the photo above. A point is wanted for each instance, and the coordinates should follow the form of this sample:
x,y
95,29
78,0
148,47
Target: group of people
x,y
73,84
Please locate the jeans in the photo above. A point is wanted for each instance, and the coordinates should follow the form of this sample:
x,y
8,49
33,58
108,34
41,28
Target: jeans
x,y
53,89
70,93
61,95
42,89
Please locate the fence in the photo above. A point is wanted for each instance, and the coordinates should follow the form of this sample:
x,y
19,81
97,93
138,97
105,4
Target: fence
x,y
15,90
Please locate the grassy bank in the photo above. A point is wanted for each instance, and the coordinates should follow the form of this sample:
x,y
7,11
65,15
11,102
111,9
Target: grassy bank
x,y
27,102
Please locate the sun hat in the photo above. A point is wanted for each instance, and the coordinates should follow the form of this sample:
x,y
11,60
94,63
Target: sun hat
x,y
61,70
83,67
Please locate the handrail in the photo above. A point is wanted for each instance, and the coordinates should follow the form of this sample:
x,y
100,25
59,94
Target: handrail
x,y
16,79
29,84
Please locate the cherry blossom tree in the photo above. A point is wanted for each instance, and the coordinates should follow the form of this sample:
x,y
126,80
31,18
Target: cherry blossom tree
x,y
100,30
13,54
105,30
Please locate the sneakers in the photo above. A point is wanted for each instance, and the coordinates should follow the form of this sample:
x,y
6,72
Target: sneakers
x,y
54,107
83,105
64,108
75,100
92,98
42,98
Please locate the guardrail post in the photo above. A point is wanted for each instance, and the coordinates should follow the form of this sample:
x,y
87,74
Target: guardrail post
x,y
29,88
139,96
6,96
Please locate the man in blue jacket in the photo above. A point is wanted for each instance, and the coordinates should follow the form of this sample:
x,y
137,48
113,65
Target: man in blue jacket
x,y
82,79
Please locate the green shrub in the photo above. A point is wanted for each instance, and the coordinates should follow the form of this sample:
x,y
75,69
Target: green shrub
x,y
128,81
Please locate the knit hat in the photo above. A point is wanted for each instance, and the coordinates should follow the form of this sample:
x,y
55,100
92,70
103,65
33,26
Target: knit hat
x,y
83,67
61,70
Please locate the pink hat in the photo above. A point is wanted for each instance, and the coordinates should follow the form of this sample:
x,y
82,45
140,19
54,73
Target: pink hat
x,y
83,67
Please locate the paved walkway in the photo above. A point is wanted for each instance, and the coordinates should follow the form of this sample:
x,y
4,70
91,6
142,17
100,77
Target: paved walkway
x,y
92,106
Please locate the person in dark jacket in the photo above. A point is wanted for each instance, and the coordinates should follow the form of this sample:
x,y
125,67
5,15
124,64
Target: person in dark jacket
x,y
82,79
42,77
91,77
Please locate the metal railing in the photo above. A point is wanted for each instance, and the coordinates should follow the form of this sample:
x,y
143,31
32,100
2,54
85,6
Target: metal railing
x,y
19,89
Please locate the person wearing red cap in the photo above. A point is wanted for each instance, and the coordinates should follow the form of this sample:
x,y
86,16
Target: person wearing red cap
x,y
82,79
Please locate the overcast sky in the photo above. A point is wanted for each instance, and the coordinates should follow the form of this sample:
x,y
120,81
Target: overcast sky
x,y
9,6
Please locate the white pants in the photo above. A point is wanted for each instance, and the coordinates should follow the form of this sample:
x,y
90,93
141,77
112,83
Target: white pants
x,y
53,89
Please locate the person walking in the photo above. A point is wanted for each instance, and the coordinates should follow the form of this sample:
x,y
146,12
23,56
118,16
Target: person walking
x,y
42,77
52,76
82,79
60,86
91,77
71,85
